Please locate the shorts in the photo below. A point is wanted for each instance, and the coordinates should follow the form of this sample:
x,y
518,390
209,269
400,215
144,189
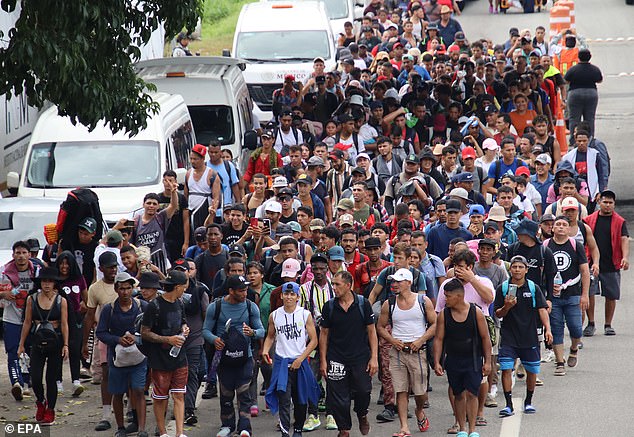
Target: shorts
x,y
101,357
464,379
529,356
496,347
409,372
165,382
608,285
120,379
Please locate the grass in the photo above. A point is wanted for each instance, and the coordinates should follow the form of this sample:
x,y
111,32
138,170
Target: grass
x,y
218,25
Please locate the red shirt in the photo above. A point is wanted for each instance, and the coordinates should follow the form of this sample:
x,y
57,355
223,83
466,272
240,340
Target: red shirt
x,y
363,275
258,165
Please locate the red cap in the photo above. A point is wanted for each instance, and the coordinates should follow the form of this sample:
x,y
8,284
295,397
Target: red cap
x,y
342,147
289,76
468,152
200,150
380,78
453,48
521,170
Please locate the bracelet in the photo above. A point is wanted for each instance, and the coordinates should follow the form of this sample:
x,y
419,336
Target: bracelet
x,y
65,345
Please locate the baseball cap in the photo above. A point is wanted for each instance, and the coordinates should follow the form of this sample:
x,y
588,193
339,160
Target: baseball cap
x,y
433,26
237,248
320,79
366,29
569,203
491,225
108,259
345,118
348,61
519,259
346,220
237,282
335,154
290,287
459,36
316,224
315,161
295,227
267,133
521,170
114,237
181,264
319,257
175,277
462,177
280,182
544,158
199,149
290,268
289,77
402,275
363,155
453,48
372,242
305,179
412,158
547,218
335,253
468,152
283,230
341,146
273,207
454,205
490,109
358,170
488,242
200,234
490,144
345,204
458,192
126,277
285,192
476,210
34,244
319,59
89,224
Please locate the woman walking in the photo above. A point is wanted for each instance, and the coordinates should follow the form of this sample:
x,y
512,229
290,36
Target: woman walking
x,y
583,97
45,320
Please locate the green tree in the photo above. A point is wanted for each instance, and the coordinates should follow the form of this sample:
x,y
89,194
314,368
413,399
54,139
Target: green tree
x,y
79,55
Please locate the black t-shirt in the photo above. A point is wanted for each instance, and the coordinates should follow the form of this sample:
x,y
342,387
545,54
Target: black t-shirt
x,y
583,75
602,234
348,335
84,254
519,325
207,265
291,218
567,260
542,268
230,236
175,228
171,318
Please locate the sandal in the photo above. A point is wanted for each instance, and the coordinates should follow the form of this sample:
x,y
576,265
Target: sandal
x,y
560,370
481,421
454,429
572,358
423,424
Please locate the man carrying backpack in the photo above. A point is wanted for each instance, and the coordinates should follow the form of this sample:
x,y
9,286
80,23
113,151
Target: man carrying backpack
x,y
230,325
519,302
127,366
412,319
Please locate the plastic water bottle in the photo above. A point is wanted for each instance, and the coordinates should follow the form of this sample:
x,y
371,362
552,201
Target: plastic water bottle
x,y
175,350
557,281
25,363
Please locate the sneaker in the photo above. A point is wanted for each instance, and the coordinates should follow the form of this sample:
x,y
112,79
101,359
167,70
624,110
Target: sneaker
x,y
103,425
297,434
330,423
549,356
121,432
589,331
26,392
490,9
364,425
520,372
254,411
224,431
560,370
245,433
608,330
142,434
41,408
211,391
16,391
539,382
494,390
132,427
311,423
49,416
190,418
60,388
96,380
84,373
387,415
490,401
78,389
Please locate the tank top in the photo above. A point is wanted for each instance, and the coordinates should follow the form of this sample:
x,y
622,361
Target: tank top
x,y
199,190
55,310
290,330
579,235
459,338
408,325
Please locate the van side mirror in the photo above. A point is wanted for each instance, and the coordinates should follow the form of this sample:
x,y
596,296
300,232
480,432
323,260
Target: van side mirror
x,y
226,53
13,182
180,175
250,140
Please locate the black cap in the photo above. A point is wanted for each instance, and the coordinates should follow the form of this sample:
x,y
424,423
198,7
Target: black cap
x,y
237,248
453,205
175,277
34,244
488,242
285,192
412,158
372,242
344,118
108,259
320,79
358,170
319,257
181,264
237,282
491,225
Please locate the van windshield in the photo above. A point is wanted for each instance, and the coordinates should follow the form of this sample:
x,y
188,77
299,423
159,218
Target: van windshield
x,y
336,9
213,123
279,45
94,164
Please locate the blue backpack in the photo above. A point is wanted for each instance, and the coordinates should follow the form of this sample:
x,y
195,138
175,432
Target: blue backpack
x,y
531,287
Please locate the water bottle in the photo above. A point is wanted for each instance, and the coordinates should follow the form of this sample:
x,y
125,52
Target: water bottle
x,y
175,350
137,338
557,281
25,363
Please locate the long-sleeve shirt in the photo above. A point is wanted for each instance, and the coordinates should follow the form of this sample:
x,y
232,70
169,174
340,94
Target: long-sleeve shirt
x,y
238,313
257,165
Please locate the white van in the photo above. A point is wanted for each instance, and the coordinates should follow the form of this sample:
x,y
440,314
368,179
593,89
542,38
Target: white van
x,y
120,169
280,38
215,93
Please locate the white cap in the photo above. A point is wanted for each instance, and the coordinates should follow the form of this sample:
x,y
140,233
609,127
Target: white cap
x,y
280,182
490,144
402,275
544,158
459,192
273,207
363,155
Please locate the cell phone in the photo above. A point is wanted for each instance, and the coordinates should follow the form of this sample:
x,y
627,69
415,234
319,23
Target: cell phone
x,y
512,290
267,223
129,224
253,221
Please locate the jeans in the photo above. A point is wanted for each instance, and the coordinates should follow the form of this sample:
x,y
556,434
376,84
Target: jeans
x,y
344,383
193,363
565,309
12,334
582,102
235,382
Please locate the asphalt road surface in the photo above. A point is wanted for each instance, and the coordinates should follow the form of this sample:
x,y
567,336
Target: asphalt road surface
x,y
593,399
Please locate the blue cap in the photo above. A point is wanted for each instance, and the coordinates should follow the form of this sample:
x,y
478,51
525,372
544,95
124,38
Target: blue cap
x,y
290,286
336,253
462,177
476,210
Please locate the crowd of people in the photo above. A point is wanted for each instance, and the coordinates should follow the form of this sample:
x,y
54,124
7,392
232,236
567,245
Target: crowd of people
x,y
409,212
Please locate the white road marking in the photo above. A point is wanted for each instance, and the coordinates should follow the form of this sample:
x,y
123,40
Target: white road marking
x,y
511,425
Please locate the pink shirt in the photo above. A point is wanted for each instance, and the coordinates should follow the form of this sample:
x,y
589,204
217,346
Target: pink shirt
x,y
470,295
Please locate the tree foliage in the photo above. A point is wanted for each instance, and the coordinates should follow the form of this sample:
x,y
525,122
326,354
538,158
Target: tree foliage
x,y
79,55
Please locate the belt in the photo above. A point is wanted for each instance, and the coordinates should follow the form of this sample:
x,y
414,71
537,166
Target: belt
x,y
407,348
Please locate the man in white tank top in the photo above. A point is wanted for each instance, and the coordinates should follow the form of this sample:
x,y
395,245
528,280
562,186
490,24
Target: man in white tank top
x,y
292,380
412,320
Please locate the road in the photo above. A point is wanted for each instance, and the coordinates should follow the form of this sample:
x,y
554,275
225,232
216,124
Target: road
x,y
592,399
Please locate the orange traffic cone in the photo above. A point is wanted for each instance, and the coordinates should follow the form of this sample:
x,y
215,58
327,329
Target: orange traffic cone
x,y
560,132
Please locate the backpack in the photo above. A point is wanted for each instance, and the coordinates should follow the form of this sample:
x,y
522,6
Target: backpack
x,y
236,350
531,287
360,300
80,203
43,335
390,271
392,303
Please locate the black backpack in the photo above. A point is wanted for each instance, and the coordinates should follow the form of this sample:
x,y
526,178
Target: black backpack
x,y
43,334
236,350
79,204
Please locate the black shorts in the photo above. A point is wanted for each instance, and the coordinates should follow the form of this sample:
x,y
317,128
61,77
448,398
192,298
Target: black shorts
x,y
608,285
466,379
